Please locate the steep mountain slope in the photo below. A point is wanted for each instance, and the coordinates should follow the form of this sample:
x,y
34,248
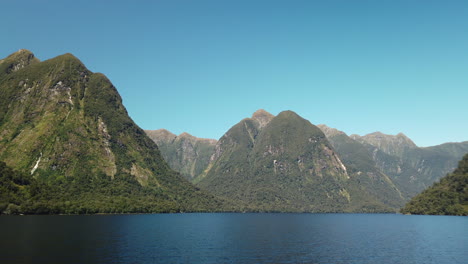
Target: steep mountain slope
x,y
412,168
449,196
66,126
363,168
286,164
185,153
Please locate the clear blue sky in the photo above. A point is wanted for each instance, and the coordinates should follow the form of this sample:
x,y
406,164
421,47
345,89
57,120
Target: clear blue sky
x,y
202,66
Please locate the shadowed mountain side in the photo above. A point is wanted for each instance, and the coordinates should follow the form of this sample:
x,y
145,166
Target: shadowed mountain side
x,y
184,153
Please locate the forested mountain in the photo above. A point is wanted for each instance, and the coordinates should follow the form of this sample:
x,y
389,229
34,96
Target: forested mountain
x,y
263,165
67,145
449,196
285,163
65,128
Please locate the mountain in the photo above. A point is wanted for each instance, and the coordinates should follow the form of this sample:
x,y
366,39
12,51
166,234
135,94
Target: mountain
x,y
390,144
67,128
285,163
360,163
185,153
412,168
449,196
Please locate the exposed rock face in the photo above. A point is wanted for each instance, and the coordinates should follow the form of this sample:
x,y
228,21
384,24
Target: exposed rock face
x,y
285,164
185,153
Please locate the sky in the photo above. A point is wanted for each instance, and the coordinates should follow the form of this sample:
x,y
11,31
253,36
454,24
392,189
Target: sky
x,y
202,66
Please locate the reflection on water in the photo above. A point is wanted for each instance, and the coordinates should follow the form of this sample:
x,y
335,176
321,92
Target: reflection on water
x,y
234,238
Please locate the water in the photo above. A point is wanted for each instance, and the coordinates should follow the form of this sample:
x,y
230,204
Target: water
x,y
234,238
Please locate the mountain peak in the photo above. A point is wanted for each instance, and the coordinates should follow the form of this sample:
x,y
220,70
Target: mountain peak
x,y
22,52
262,117
189,136
17,61
330,131
279,167
185,134
402,135
390,144
160,135
261,112
69,58
288,114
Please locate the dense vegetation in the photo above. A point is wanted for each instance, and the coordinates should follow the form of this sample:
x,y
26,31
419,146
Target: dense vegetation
x,y
449,196
23,194
71,148
287,164
70,141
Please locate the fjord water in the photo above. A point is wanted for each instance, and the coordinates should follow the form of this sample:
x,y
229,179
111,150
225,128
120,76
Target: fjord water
x,y
234,238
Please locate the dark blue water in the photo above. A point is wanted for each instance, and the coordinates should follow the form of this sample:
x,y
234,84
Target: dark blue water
x,y
234,238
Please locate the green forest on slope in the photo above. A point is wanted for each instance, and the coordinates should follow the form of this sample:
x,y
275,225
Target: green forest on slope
x,y
288,165
69,146
22,194
449,196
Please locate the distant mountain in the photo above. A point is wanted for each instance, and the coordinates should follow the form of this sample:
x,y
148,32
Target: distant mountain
x,y
360,163
67,128
285,163
412,169
449,196
185,153
392,145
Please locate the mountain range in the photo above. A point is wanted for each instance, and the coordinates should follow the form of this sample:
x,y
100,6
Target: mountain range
x,y
411,168
285,163
68,145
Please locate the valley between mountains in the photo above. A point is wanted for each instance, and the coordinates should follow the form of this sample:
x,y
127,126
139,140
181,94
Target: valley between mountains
x,y
68,146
